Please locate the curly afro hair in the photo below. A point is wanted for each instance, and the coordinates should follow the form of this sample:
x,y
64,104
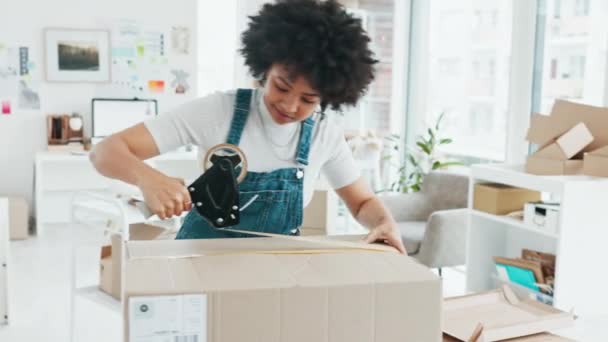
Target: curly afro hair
x,y
315,39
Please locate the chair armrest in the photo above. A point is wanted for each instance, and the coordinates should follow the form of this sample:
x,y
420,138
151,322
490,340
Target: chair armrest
x,y
444,242
407,207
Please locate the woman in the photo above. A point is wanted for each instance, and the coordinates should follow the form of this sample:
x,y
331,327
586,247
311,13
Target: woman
x,y
308,55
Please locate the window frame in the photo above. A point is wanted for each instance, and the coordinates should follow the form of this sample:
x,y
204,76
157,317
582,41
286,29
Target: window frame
x,y
523,54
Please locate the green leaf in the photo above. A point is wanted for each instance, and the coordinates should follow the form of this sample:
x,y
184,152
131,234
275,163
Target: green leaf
x,y
448,164
438,123
415,187
436,165
445,141
424,147
412,160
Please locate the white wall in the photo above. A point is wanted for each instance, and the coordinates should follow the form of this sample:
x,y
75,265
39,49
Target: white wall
x,y
22,134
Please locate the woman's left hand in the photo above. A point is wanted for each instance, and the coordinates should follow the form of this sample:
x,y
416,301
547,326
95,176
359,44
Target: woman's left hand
x,y
388,233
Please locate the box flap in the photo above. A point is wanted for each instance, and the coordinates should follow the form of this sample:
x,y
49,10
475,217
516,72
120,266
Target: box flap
x,y
495,316
258,245
181,266
551,167
552,151
543,129
602,151
106,251
564,116
143,231
575,140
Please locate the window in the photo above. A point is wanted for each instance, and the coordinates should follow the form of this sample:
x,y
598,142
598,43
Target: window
x,y
581,8
574,54
461,67
374,110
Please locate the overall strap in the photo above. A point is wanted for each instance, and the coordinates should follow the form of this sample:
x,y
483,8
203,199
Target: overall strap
x,y
305,141
241,111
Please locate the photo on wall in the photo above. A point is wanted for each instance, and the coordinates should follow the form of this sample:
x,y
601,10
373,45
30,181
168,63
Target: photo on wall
x,y
74,55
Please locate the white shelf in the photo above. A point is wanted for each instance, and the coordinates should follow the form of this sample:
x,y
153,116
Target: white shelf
x,y
515,175
577,243
514,223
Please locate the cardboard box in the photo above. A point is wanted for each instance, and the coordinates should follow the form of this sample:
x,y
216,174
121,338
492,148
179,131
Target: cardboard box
x,y
596,162
110,262
556,158
274,289
565,115
551,167
500,199
18,218
543,337
499,315
575,140
560,135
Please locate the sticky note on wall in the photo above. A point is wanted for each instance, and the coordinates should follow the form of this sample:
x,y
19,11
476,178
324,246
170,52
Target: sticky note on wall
x,y
6,107
156,86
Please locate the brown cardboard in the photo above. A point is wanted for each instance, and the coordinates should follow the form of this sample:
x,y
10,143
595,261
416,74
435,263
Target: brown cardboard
x,y
551,151
106,276
18,218
317,214
575,140
564,129
499,315
565,115
551,167
291,289
543,337
110,260
499,199
596,163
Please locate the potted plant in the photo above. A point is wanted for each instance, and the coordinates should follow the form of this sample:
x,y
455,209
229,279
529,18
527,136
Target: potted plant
x,y
419,161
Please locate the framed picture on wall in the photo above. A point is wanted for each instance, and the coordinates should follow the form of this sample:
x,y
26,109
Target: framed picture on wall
x,y
74,55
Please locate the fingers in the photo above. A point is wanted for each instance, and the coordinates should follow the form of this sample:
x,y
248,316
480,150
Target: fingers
x,y
168,208
373,236
397,243
390,239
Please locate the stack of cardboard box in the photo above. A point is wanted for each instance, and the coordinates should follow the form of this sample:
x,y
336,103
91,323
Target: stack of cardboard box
x,y
572,140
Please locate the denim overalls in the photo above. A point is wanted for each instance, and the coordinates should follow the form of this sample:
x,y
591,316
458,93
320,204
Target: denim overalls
x,y
279,205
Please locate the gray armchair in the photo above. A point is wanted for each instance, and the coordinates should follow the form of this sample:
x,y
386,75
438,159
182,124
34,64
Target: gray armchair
x,y
433,222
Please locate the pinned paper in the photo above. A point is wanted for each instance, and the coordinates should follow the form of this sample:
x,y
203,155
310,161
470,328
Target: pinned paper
x,y
180,40
156,86
123,52
6,107
28,96
23,61
180,83
141,50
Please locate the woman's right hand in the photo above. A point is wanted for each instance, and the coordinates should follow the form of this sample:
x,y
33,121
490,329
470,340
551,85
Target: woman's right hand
x,y
165,196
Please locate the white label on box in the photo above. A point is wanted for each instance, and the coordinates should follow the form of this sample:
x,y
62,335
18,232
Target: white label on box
x,y
181,318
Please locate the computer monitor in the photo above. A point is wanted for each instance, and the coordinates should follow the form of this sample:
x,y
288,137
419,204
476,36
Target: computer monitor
x,y
113,115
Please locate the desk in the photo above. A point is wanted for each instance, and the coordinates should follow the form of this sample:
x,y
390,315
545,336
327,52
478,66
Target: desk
x,y
4,219
58,175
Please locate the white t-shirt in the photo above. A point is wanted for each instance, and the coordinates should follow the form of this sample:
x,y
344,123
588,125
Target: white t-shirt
x,y
268,146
